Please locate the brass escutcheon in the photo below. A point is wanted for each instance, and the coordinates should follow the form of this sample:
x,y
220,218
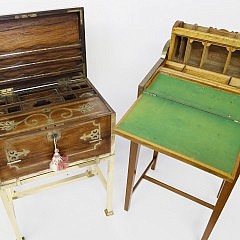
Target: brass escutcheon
x,y
53,134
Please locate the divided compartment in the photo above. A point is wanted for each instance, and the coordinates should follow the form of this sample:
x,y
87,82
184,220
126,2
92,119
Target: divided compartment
x,y
64,88
86,94
215,58
73,90
73,86
3,111
190,47
207,56
210,53
234,64
78,86
3,101
195,54
13,109
84,85
12,99
38,97
41,103
70,96
179,49
38,94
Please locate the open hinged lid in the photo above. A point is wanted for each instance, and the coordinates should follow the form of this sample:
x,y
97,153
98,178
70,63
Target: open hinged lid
x,y
206,52
36,48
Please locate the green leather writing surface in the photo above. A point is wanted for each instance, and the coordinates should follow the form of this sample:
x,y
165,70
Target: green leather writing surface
x,y
197,95
193,131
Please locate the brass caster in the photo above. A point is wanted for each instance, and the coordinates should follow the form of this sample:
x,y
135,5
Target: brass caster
x,y
108,213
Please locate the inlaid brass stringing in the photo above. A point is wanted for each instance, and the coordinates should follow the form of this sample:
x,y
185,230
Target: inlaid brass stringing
x,y
13,156
35,119
88,107
94,135
8,125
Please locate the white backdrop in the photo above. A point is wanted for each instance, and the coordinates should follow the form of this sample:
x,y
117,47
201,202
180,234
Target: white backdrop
x,y
124,39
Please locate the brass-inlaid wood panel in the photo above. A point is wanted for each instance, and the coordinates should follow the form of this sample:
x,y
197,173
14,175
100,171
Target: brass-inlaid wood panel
x,y
31,153
50,116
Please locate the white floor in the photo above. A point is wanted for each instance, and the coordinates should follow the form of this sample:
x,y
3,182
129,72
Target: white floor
x,y
124,39
75,211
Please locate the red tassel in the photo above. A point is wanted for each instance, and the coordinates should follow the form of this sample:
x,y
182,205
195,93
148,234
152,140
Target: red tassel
x,y
58,162
63,163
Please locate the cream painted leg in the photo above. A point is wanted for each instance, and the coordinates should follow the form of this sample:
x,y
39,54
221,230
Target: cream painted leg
x,y
100,175
9,192
6,196
108,210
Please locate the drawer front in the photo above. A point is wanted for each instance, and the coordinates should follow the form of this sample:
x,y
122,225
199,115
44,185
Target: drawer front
x,y
31,153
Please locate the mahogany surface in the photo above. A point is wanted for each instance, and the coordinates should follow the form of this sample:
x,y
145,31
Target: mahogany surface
x,y
43,62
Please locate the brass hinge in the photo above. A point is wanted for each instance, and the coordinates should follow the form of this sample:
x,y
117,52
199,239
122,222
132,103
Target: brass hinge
x,y
6,92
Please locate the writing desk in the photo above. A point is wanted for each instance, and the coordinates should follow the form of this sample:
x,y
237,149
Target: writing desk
x,y
202,132
193,121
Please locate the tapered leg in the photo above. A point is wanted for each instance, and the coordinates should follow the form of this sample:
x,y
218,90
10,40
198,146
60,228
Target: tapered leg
x,y
155,155
132,167
108,210
8,204
222,199
220,189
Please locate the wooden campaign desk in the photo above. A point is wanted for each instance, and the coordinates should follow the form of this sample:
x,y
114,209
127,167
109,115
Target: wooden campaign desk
x,y
188,108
